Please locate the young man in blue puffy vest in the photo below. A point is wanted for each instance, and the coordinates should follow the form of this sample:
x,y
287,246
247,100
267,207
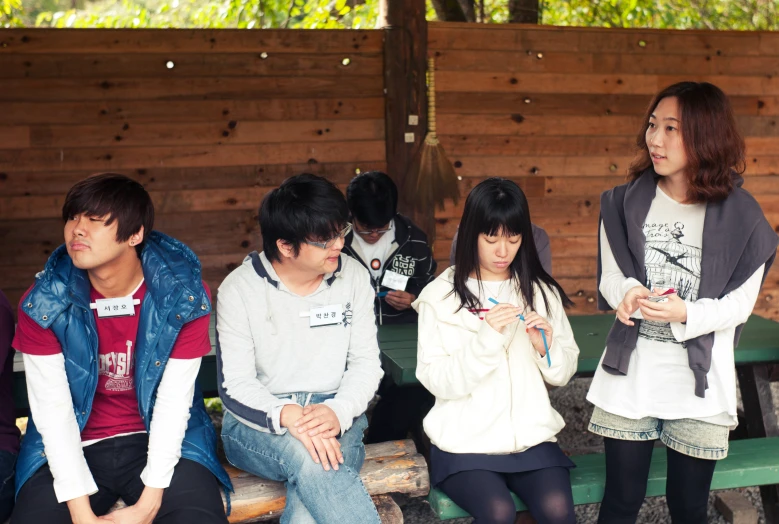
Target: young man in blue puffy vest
x,y
112,332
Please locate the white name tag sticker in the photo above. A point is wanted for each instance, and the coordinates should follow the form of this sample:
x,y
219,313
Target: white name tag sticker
x,y
114,307
325,315
394,281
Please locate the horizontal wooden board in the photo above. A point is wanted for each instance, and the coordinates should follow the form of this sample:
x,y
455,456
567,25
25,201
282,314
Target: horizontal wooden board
x,y
153,111
512,145
12,137
25,183
118,158
575,187
567,166
176,65
612,83
582,146
194,88
520,61
530,61
136,41
518,124
555,104
570,167
520,37
217,133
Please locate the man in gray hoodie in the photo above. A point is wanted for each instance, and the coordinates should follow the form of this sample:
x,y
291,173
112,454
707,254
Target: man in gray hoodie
x,y
298,359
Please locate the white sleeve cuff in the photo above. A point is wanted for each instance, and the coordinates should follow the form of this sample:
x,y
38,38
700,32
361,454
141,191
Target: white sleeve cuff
x,y
276,415
679,331
687,331
78,485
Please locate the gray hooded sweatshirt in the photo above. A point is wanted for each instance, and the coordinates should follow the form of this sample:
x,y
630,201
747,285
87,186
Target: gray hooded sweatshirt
x,y
267,351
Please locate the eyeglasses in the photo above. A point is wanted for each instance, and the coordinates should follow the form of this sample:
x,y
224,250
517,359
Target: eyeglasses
x,y
367,232
329,243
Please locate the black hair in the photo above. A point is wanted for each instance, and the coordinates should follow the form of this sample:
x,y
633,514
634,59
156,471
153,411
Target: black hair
x,y
116,196
372,198
499,207
303,207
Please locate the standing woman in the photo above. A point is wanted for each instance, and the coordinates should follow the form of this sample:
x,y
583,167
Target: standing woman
x,y
682,226
492,427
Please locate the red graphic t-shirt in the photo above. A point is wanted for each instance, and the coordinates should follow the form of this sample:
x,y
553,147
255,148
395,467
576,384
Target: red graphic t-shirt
x,y
115,406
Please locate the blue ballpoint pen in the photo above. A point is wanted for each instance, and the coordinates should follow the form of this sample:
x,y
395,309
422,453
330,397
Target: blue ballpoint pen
x,y
543,335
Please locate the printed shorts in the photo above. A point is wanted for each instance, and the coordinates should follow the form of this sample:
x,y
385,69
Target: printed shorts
x,y
687,436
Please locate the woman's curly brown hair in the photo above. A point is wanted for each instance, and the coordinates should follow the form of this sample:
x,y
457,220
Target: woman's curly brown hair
x,y
714,146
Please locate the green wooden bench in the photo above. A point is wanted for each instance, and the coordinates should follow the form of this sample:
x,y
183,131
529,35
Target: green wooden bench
x,y
759,343
755,357
752,462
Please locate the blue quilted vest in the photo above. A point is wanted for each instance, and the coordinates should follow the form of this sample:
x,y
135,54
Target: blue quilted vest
x,y
175,295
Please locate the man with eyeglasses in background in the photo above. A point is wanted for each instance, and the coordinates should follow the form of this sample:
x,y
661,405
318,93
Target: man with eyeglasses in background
x,y
393,249
298,358
401,264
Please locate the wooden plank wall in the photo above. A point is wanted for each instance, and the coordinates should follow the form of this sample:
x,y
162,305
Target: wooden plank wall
x,y
557,110
208,121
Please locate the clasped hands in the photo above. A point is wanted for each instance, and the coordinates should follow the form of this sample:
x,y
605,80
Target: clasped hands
x,y
316,427
674,309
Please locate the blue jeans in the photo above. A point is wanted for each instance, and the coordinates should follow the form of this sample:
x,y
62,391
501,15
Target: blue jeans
x,y
7,468
313,494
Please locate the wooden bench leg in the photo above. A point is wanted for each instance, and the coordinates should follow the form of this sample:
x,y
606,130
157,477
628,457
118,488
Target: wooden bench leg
x,y
389,511
755,385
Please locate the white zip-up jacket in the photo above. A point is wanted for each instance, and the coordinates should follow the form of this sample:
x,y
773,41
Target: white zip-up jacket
x,y
489,386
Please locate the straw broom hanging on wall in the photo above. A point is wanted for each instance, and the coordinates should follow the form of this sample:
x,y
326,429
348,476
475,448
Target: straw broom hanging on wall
x,y
431,178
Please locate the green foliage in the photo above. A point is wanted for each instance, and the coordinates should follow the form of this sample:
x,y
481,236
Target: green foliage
x,y
11,13
213,405
356,14
664,14
215,14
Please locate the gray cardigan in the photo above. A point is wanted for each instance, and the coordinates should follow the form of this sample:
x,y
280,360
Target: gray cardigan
x,y
737,241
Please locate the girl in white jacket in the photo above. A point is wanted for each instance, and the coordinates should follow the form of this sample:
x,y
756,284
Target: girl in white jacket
x,y
492,427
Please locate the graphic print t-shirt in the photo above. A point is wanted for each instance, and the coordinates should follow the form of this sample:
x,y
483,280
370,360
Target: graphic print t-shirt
x,y
674,237
115,405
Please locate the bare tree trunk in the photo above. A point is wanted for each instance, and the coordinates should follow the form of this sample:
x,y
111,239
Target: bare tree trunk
x,y
468,9
523,11
452,11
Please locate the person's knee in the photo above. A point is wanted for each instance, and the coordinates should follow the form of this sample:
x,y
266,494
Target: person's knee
x,y
497,511
627,495
557,508
685,509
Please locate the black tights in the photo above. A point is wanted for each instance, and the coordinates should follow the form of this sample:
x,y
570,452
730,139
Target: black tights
x,y
627,471
486,496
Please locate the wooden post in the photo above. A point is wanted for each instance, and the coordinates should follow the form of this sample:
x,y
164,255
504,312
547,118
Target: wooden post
x,y
405,54
760,414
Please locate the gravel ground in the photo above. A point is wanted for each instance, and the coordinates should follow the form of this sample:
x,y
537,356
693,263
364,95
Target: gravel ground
x,y
576,440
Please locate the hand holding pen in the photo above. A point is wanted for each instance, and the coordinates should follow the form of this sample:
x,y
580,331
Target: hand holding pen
x,y
537,327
